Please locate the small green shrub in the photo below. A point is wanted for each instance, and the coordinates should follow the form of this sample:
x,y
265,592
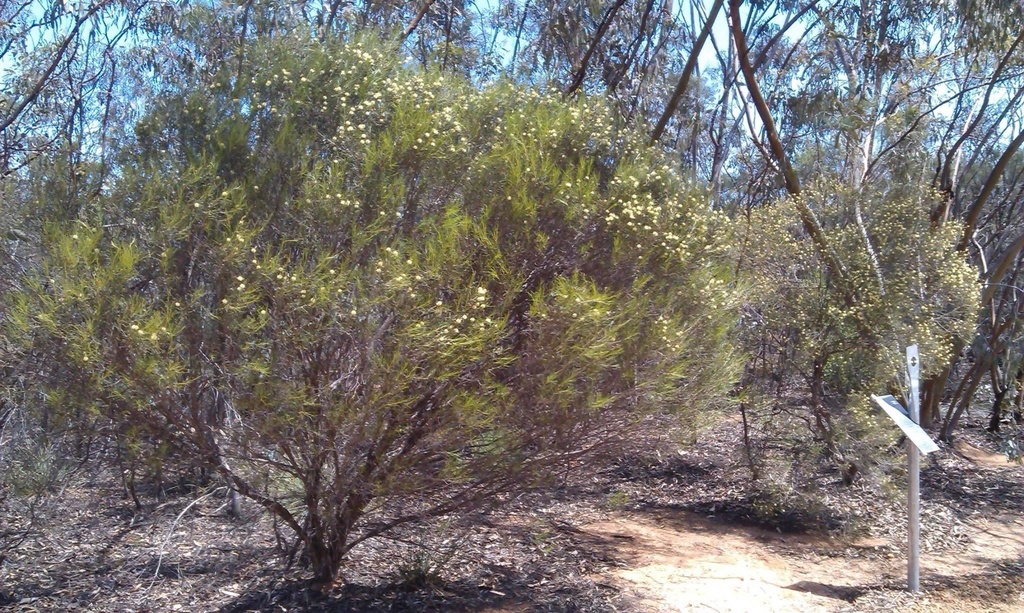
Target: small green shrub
x,y
617,500
37,469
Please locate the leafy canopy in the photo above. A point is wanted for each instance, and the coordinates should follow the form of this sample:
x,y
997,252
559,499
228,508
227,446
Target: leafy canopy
x,y
366,294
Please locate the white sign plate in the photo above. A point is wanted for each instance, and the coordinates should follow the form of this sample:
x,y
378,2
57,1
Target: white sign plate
x,y
913,431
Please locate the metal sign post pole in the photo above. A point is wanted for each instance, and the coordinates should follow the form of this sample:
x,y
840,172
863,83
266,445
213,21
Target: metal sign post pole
x,y
918,442
914,461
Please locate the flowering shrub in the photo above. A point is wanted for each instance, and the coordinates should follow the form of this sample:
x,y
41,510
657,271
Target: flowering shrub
x,y
366,295
910,286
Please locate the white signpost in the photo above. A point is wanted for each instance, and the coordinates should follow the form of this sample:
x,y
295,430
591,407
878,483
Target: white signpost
x,y
919,442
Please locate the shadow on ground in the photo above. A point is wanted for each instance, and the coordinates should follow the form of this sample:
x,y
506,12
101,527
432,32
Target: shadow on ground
x,y
967,488
514,594
703,489
847,593
1001,581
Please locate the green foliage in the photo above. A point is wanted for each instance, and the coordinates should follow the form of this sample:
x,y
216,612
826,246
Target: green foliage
x,y
399,291
617,500
35,471
1010,445
426,564
911,286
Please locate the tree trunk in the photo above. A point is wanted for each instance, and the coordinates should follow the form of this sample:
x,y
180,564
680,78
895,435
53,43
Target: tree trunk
x,y
755,474
325,557
822,420
326,540
932,390
807,217
1018,404
997,408
999,391
962,400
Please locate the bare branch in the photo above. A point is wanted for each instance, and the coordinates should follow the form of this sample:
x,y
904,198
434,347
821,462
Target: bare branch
x,y
416,20
971,220
602,29
684,79
36,89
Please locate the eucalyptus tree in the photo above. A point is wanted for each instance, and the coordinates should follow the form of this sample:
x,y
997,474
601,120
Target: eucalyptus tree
x,y
62,66
978,170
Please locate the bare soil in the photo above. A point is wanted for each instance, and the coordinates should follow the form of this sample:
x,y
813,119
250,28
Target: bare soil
x,y
661,528
682,562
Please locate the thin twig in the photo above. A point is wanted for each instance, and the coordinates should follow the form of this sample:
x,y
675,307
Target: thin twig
x,y
170,533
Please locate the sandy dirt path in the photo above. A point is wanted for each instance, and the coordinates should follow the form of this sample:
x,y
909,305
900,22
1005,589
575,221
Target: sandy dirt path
x,y
680,561
684,562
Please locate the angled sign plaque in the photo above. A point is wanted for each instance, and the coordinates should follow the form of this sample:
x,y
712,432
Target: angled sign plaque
x,y
900,415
